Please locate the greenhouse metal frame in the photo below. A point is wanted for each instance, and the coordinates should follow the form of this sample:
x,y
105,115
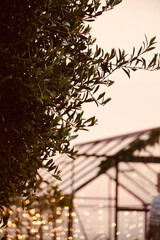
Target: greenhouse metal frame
x,y
96,158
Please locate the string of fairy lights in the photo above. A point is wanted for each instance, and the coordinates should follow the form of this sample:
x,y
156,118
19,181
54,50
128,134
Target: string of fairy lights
x,y
32,224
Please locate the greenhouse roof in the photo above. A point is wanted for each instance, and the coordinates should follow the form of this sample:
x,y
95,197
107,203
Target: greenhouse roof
x,y
138,154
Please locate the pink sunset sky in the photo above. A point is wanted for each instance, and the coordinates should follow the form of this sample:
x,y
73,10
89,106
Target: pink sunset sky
x,y
135,103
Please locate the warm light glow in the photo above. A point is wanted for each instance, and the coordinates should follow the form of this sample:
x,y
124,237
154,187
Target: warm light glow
x,y
9,223
34,222
76,220
58,212
128,235
59,228
19,236
51,215
118,233
27,201
34,218
32,211
10,212
25,223
140,225
126,213
34,230
46,227
59,220
132,226
25,215
75,235
113,224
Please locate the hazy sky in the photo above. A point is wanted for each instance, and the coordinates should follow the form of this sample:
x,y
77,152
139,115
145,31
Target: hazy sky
x,y
135,103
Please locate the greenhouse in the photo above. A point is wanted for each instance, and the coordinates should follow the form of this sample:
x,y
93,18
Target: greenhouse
x,y
110,184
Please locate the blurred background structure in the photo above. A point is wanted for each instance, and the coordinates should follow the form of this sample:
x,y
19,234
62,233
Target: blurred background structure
x,y
110,184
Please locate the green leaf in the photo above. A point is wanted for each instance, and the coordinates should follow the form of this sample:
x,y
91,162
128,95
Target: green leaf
x,y
153,61
51,167
101,95
98,13
109,83
149,49
106,101
49,162
96,89
57,177
139,52
70,138
127,72
151,42
89,100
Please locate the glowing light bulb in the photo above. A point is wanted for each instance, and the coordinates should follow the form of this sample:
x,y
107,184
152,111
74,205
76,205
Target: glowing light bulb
x,y
58,212
59,220
113,224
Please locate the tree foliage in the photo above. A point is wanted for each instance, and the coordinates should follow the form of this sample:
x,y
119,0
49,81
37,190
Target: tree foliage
x,y
48,70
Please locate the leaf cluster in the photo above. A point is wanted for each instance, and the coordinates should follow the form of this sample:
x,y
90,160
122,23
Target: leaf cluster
x,y
141,144
47,71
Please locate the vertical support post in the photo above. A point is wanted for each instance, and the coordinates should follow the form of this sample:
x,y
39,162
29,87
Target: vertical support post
x,y
40,228
145,223
70,220
116,200
54,227
109,210
70,217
